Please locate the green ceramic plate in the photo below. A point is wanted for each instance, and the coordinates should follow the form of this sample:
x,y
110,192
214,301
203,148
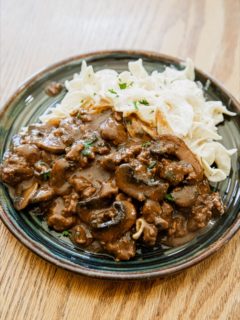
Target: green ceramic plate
x,y
25,107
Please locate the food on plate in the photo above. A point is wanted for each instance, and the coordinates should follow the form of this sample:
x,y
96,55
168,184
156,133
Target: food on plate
x,y
106,188
167,102
119,164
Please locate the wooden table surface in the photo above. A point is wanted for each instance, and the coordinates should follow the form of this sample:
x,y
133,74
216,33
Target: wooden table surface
x,y
37,33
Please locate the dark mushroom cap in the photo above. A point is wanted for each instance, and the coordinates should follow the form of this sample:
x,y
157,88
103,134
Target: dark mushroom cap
x,y
109,217
127,218
140,189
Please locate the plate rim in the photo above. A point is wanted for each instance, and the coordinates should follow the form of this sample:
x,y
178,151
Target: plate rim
x,y
43,252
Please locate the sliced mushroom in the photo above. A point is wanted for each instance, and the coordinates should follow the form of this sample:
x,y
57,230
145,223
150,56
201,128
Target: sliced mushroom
x,y
127,219
81,235
58,172
45,193
86,207
51,144
173,145
185,196
25,199
112,130
58,180
108,221
94,203
100,201
109,217
140,189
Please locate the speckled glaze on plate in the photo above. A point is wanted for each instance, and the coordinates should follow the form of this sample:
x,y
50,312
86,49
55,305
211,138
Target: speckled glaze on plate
x,y
30,101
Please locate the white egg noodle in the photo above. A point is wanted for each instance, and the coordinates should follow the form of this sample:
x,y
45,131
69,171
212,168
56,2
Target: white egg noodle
x,y
168,102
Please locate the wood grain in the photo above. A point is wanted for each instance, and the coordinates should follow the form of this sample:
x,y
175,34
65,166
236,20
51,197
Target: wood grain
x,y
37,33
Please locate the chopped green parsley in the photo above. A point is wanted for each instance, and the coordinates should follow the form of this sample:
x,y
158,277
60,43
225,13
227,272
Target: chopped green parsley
x,y
87,146
169,197
112,91
152,165
46,175
144,102
86,152
90,141
123,85
146,144
66,233
135,103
